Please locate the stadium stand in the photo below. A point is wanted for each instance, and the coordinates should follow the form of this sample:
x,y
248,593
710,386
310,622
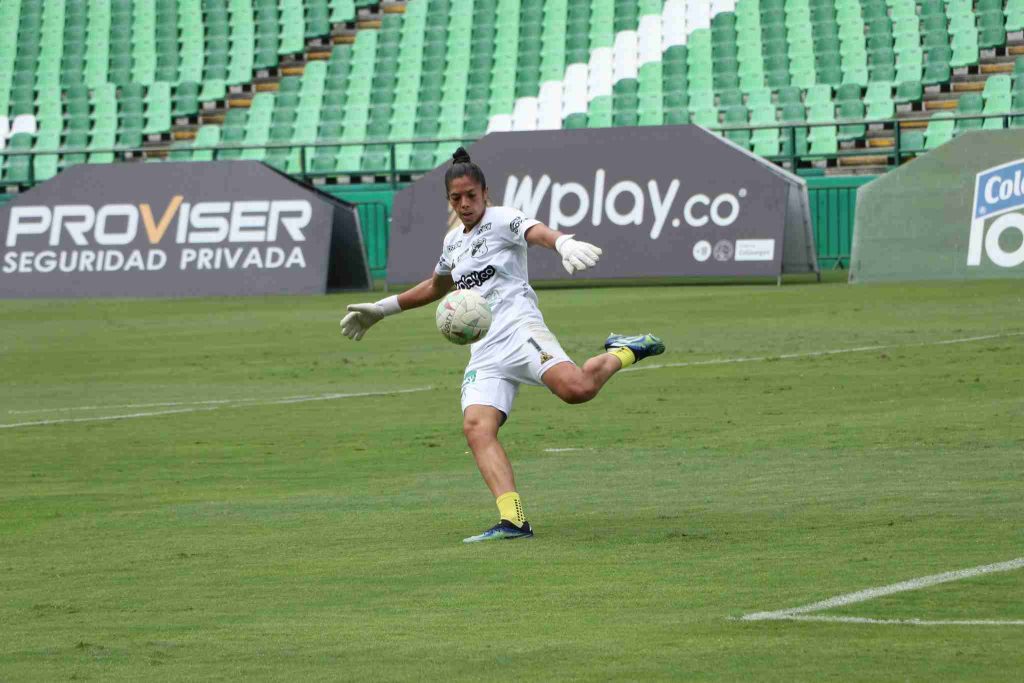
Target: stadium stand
x,y
167,78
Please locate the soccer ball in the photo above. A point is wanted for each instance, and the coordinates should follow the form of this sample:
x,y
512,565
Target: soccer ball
x,y
463,317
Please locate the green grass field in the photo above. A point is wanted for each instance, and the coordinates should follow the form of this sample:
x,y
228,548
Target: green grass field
x,y
236,532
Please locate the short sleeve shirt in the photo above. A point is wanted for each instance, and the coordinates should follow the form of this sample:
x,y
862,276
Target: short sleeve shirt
x,y
491,259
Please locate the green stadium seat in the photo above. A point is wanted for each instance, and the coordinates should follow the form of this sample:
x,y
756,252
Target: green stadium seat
x,y
1014,18
937,68
997,104
851,110
1017,104
908,91
793,138
186,99
879,102
940,130
997,86
18,169
737,115
818,95
129,137
730,98
676,116
45,166
790,95
912,142
848,92
970,103
764,141
182,53
965,49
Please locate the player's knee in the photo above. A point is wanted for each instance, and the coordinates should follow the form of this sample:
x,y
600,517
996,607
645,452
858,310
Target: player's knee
x,y
576,391
476,430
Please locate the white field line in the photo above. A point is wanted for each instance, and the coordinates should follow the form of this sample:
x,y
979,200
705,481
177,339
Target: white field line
x,y
829,352
244,403
905,622
561,450
795,613
164,404
284,399
715,361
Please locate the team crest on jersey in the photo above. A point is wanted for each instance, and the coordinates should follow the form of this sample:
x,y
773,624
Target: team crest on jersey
x,y
479,247
514,225
544,355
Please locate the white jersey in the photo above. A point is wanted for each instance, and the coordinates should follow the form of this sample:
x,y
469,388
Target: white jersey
x,y
491,258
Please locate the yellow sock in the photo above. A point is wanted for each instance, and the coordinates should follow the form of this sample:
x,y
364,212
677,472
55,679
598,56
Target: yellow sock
x,y
510,507
625,355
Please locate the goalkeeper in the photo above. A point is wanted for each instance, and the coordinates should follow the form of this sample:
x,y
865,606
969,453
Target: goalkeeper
x,y
489,255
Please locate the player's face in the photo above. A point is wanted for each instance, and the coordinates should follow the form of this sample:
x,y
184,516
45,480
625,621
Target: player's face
x,y
468,200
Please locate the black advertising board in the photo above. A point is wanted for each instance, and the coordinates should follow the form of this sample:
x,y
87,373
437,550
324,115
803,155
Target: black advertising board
x,y
661,201
177,229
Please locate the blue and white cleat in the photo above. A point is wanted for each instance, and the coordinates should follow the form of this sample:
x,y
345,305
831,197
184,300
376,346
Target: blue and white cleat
x,y
502,530
642,345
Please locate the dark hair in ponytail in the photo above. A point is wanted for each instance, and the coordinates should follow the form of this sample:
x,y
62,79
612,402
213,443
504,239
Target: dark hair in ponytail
x,y
462,166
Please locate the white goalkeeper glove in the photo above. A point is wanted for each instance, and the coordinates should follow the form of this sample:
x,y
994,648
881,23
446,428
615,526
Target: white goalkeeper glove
x,y
576,255
362,317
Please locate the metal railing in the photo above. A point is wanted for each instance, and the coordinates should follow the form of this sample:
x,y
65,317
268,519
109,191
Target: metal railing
x,y
392,172
897,150
305,153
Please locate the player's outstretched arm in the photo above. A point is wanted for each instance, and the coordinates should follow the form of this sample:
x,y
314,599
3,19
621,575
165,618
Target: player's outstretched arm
x,y
576,254
362,317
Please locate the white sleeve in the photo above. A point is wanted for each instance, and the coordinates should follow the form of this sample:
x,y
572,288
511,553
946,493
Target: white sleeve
x,y
515,224
444,264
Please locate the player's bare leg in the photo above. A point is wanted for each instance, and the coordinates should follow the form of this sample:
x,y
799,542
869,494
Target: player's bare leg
x,y
574,384
578,385
480,424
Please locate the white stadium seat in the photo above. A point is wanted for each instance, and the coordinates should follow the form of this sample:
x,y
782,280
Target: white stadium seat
x,y
524,116
722,6
625,56
673,23
24,123
574,90
549,108
698,16
649,39
500,123
599,74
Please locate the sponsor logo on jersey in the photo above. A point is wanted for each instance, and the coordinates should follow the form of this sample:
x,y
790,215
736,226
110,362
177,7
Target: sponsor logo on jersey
x,y
479,247
475,278
514,225
453,246
469,378
485,227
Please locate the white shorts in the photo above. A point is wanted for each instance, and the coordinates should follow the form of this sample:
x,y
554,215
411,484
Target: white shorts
x,y
493,378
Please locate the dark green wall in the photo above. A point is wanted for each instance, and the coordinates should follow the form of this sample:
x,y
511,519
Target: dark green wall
x,y
833,201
